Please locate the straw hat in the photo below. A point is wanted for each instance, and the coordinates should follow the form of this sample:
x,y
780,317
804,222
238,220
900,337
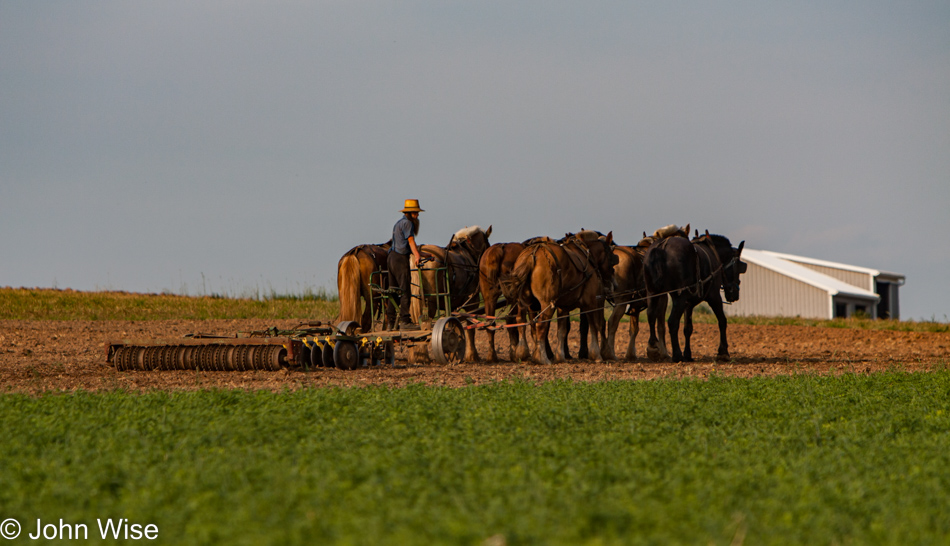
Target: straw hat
x,y
412,205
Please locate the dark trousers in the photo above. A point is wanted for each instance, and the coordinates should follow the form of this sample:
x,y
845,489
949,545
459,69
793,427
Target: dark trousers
x,y
398,265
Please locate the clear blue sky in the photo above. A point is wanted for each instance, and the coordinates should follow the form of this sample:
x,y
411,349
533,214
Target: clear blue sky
x,y
229,147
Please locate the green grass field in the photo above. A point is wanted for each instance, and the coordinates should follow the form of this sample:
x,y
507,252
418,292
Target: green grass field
x,y
855,459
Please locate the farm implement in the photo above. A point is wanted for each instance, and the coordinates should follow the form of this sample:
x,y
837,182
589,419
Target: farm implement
x,y
306,346
311,345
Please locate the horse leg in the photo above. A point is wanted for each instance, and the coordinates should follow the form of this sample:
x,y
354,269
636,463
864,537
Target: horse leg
x,y
366,321
653,352
513,337
656,314
492,357
521,351
661,326
612,324
563,329
541,337
491,300
547,341
584,327
471,353
679,304
687,334
634,330
597,323
715,303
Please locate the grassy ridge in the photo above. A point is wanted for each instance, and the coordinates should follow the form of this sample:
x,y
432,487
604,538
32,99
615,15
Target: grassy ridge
x,y
48,304
45,304
791,460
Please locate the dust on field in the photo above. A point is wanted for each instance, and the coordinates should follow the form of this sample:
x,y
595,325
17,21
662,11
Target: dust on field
x,y
42,356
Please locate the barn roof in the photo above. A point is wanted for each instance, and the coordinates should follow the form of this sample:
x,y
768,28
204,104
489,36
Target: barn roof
x,y
874,273
776,262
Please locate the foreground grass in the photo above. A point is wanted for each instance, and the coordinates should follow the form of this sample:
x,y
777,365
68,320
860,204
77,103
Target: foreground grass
x,y
41,304
793,460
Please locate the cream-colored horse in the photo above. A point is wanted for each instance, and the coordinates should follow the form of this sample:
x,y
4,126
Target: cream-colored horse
x,y
459,264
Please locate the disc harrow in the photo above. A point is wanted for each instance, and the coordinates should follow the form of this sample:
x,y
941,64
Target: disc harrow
x,y
308,345
216,357
312,345
269,350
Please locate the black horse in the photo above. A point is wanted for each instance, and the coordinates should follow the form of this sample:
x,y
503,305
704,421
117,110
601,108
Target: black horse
x,y
690,272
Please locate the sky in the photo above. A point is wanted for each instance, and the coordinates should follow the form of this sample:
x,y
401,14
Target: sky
x,y
240,148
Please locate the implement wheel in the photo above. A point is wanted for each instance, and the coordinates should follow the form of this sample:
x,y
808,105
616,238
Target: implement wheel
x,y
448,341
316,356
327,356
346,355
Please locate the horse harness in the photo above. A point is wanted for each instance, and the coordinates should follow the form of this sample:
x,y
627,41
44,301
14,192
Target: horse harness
x,y
585,266
723,267
710,253
464,247
699,288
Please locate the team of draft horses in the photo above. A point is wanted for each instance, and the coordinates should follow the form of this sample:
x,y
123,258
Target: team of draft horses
x,y
542,276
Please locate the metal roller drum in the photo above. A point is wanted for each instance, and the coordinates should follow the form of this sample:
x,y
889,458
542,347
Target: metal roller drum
x,y
208,353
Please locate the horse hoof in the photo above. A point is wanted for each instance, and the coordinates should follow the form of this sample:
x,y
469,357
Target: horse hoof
x,y
656,356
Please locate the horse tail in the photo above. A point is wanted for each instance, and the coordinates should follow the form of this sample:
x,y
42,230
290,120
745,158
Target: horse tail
x,y
516,285
655,266
348,286
489,266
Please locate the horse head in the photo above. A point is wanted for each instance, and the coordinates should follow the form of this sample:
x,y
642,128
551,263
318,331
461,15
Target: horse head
x,y
473,239
732,265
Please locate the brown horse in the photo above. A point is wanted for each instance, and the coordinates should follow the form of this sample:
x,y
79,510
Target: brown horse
x,y
460,260
629,298
496,262
691,272
630,292
562,276
353,276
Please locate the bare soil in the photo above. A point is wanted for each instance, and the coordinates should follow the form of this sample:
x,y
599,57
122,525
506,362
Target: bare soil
x,y
42,356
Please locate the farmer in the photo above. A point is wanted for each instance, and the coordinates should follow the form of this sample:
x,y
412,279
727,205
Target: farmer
x,y
404,242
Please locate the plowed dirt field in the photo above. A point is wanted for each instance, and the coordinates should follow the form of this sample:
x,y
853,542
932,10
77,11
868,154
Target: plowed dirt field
x,y
40,356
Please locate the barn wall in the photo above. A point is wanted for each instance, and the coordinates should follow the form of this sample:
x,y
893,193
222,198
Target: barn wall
x,y
767,293
854,278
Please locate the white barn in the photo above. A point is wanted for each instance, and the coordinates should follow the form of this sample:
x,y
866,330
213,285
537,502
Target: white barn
x,y
785,285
